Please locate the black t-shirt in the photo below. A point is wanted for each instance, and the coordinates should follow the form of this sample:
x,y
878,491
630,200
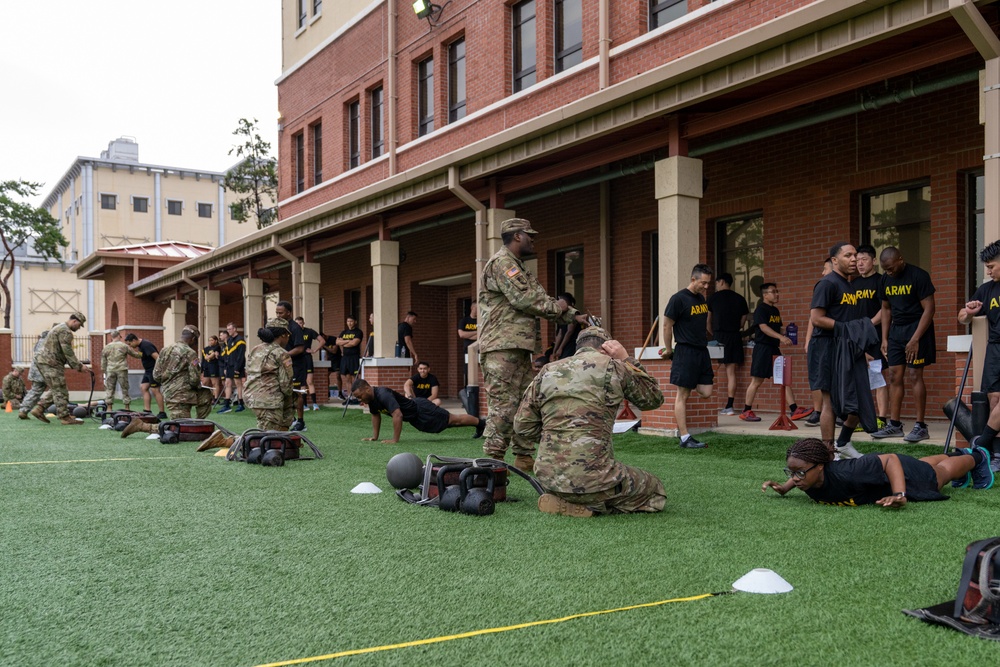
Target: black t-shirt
x,y
295,340
467,324
236,352
330,345
769,315
728,308
387,401
869,292
422,386
351,334
862,481
207,351
689,311
308,336
905,292
835,294
402,332
148,350
989,294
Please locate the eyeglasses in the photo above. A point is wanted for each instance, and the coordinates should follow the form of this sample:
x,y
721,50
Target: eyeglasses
x,y
799,474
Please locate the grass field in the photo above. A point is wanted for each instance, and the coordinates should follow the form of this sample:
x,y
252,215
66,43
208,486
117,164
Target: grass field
x,y
171,557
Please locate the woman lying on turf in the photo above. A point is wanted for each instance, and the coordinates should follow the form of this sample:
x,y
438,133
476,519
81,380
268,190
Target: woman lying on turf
x,y
889,480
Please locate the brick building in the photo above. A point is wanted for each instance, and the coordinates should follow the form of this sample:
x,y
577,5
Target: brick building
x,y
639,137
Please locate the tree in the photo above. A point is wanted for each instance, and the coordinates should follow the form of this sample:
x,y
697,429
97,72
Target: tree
x,y
20,222
255,177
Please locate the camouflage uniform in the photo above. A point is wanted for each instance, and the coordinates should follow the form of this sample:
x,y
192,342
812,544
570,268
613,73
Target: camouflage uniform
x,y
114,361
268,389
13,390
510,301
39,394
57,352
178,372
571,406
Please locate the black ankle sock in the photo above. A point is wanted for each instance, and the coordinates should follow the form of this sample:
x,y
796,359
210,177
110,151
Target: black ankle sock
x,y
895,423
845,434
793,407
747,408
986,439
978,456
729,403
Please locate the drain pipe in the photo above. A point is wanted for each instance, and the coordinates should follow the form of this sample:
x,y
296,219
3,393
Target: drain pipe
x,y
604,64
391,85
296,297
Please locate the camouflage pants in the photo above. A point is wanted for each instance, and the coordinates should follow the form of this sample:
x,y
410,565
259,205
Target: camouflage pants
x,y
15,404
39,394
203,405
113,380
640,491
273,419
506,374
55,380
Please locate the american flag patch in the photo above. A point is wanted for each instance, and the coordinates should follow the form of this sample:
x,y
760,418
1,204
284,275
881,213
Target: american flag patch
x,y
513,272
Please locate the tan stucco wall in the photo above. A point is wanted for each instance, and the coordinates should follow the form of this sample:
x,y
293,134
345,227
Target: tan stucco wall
x,y
296,43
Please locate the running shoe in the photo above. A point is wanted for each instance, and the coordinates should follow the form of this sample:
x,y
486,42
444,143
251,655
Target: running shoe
x,y
965,480
727,411
801,412
846,451
982,474
917,434
888,431
692,443
240,408
813,419
749,416
995,464
880,423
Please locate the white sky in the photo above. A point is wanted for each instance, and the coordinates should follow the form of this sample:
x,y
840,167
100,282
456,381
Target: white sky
x,y
176,75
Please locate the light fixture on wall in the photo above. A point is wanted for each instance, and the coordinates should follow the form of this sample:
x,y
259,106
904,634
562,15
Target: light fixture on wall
x,y
424,9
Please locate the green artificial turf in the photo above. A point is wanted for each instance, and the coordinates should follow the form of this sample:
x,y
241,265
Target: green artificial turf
x,y
180,558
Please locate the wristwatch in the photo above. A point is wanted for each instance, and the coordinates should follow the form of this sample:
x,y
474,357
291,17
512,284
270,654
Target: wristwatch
x,y
901,494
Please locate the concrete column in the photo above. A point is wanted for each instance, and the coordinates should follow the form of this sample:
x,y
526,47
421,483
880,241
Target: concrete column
x,y
677,187
178,319
253,304
494,216
991,143
210,312
385,292
309,289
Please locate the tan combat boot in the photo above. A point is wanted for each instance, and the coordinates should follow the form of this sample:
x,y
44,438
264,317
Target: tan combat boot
x,y
216,440
525,463
21,414
137,425
39,413
551,504
70,420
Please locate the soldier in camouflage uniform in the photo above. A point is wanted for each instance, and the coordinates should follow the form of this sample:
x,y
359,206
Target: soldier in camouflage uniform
x,y
268,389
56,353
571,406
510,301
13,389
114,362
39,394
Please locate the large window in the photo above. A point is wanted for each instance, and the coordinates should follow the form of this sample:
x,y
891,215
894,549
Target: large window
x,y
456,80
569,273
976,206
662,12
569,33
317,153
741,253
899,216
525,48
425,96
354,134
299,146
378,122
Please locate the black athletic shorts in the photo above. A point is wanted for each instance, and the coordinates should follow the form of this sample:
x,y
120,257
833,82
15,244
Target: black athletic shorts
x,y
335,363
236,373
820,360
350,365
309,363
430,418
210,370
762,361
899,336
298,376
991,369
732,346
147,378
691,366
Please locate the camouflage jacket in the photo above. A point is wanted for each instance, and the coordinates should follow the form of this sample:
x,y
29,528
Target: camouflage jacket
x,y
510,301
13,387
178,372
58,349
114,356
33,373
269,377
570,408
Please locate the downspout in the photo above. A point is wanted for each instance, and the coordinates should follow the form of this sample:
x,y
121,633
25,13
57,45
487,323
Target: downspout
x,y
296,296
605,231
201,299
391,85
603,69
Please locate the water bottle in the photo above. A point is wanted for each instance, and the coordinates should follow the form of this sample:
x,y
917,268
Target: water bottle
x,y
792,331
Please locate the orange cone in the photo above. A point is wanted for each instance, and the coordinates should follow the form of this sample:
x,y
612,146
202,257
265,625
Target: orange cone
x,y
9,407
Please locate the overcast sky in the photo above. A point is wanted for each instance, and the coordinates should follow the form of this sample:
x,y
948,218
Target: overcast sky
x,y
175,75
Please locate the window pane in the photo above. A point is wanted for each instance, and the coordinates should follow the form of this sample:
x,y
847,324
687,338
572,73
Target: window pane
x,y
140,204
525,57
354,133
569,273
378,141
300,163
741,253
425,92
108,202
204,210
665,11
456,80
317,153
902,219
569,34
977,213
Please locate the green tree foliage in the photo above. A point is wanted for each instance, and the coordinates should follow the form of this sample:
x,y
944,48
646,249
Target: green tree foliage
x,y
255,177
22,223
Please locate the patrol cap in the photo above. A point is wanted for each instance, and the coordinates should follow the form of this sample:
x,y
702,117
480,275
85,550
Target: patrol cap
x,y
593,332
78,317
193,329
277,323
516,225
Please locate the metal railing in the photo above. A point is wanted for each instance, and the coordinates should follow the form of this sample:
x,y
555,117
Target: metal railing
x,y
23,346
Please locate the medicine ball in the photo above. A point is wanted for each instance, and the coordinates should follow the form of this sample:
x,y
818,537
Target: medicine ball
x,y
81,411
404,471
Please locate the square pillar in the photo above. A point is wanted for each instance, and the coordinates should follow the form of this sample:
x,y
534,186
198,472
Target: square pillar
x,y
677,187
253,304
178,319
212,299
385,293
494,216
309,291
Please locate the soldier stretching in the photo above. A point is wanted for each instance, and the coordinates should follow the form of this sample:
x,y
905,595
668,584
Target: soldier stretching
x,y
419,413
570,409
39,395
13,389
114,363
510,301
56,353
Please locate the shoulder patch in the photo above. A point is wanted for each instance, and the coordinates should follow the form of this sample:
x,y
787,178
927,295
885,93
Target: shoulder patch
x,y
513,272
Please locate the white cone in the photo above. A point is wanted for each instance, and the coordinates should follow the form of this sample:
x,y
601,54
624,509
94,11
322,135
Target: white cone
x,y
153,436
366,487
105,427
762,580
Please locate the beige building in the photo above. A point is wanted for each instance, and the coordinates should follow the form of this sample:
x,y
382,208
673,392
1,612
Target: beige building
x,y
114,200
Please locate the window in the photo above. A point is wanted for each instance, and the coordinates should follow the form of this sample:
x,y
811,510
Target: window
x,y
662,12
298,145
204,210
140,204
741,253
174,207
237,212
301,8
378,122
456,80
317,7
976,206
352,304
317,151
354,134
900,217
569,33
109,202
425,96
569,273
524,45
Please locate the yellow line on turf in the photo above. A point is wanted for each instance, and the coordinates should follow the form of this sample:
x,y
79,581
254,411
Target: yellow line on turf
x,y
137,458
474,633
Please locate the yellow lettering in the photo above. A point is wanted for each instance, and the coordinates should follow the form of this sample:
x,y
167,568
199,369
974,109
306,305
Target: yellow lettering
x,y
849,299
866,294
774,319
898,290
700,309
918,362
994,303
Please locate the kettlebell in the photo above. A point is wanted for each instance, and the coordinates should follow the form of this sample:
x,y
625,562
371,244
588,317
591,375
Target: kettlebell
x,y
449,497
272,458
255,455
476,500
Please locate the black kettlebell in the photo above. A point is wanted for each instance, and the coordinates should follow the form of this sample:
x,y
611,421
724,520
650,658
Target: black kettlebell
x,y
255,455
170,433
449,497
272,458
475,500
